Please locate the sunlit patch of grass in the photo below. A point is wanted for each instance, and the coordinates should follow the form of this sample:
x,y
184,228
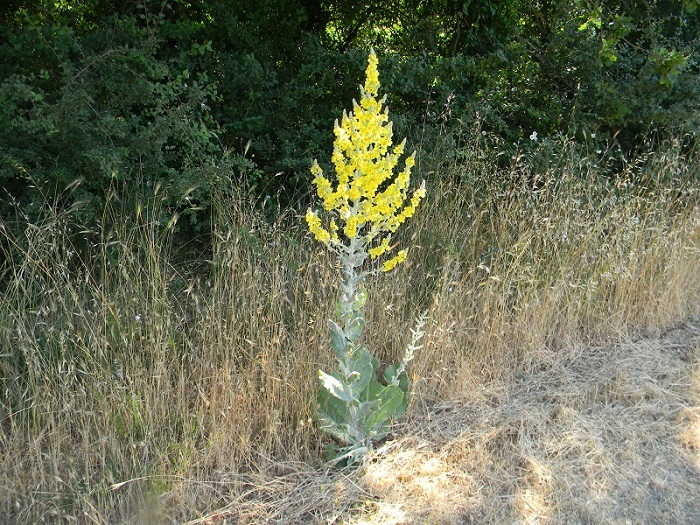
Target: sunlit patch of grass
x,y
419,484
532,506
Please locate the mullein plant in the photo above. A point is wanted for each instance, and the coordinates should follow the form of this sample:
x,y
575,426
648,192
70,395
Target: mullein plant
x,y
363,206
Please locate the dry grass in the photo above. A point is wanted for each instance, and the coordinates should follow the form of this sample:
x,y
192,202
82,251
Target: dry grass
x,y
605,435
136,391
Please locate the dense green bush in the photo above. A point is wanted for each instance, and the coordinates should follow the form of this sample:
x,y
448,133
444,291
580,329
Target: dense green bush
x,y
189,95
107,108
610,69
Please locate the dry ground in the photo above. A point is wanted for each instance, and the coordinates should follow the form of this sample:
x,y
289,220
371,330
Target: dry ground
x,y
597,435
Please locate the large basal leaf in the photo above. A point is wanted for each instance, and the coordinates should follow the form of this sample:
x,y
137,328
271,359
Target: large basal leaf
x,y
388,405
361,364
331,427
333,416
345,456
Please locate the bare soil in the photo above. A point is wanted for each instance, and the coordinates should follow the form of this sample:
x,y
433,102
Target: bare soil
x,y
591,435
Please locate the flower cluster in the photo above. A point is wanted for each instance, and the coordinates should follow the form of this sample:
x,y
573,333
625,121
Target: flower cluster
x,y
367,202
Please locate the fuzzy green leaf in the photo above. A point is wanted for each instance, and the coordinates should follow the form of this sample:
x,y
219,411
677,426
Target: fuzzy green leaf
x,y
360,363
333,416
338,341
334,386
389,404
392,379
355,328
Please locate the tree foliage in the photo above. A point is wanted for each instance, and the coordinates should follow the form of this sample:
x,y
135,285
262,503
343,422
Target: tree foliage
x,y
187,95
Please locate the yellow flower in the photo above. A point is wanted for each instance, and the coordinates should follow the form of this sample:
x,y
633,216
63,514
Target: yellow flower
x,y
351,227
379,250
391,263
372,75
316,229
367,199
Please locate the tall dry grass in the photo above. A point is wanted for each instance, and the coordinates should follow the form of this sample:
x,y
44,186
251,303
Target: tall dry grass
x,y
137,390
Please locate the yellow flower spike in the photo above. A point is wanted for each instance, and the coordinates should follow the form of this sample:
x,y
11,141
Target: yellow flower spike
x,y
354,193
410,161
367,200
334,232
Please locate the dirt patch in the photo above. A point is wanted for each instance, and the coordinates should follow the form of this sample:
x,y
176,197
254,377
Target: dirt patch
x,y
605,435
